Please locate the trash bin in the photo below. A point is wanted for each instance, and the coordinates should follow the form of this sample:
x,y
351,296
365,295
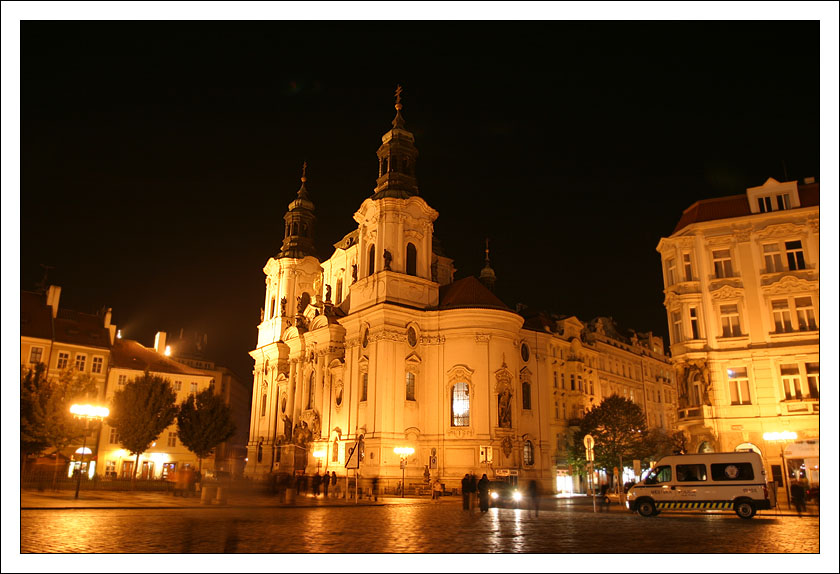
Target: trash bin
x,y
208,492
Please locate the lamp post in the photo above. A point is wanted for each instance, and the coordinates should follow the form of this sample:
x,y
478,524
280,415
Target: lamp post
x,y
782,438
404,452
87,413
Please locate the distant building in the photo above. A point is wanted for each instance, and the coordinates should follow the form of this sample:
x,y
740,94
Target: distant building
x,y
63,339
742,279
130,360
191,350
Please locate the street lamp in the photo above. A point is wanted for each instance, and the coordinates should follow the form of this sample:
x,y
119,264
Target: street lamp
x,y
404,452
320,454
782,438
87,413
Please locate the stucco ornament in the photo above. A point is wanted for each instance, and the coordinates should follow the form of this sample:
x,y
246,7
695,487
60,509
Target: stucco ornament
x,y
507,446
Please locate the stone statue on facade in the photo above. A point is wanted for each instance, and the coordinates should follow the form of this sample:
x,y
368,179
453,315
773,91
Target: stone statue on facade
x,y
388,257
283,307
328,296
301,435
355,272
504,409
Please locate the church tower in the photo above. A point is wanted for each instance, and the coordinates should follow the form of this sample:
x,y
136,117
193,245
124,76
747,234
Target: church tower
x,y
395,229
293,276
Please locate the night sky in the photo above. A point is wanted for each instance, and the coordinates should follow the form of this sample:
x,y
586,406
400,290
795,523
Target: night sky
x,y
158,158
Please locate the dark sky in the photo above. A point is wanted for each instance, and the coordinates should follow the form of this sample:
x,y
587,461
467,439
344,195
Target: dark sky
x,y
158,158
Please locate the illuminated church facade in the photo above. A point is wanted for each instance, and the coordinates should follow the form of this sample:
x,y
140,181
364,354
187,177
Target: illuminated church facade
x,y
379,346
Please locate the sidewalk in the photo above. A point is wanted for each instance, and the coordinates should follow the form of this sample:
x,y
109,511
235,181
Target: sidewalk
x,y
64,499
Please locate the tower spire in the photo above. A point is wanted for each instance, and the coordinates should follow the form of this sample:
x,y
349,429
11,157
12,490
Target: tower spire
x,y
300,220
397,157
487,275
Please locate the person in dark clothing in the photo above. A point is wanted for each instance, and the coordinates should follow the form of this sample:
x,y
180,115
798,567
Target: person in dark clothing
x,y
533,497
326,484
334,481
466,490
316,485
797,497
375,488
473,491
484,493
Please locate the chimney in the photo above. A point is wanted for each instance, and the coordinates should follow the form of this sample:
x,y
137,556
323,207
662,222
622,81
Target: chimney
x,y
108,318
112,329
160,342
53,295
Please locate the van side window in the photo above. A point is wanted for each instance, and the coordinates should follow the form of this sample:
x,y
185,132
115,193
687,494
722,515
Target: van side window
x,y
691,472
733,471
661,474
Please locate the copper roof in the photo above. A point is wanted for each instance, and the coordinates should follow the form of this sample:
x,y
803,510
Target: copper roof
x,y
128,354
466,293
737,206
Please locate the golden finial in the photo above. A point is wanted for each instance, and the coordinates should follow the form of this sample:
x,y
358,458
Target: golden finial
x,y
303,177
399,98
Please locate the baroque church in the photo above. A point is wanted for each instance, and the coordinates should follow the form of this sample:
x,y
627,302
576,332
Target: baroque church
x,y
378,346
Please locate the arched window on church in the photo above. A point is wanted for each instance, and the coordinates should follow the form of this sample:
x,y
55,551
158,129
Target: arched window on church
x,y
410,259
526,395
371,259
410,388
262,404
460,405
528,453
339,295
311,401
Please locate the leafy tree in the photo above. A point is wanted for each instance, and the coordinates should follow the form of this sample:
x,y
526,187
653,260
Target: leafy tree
x,y
46,421
661,443
140,412
204,421
619,429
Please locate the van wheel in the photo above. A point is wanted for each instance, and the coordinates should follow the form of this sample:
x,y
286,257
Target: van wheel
x,y
646,508
744,509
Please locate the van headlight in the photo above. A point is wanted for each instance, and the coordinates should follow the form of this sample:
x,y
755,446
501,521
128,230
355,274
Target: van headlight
x,y
517,496
494,495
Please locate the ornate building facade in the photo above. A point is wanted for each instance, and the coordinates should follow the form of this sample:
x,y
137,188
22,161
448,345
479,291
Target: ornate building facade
x,y
742,296
377,346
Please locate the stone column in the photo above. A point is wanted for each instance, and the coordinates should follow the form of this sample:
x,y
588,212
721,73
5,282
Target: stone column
x,y
319,385
326,402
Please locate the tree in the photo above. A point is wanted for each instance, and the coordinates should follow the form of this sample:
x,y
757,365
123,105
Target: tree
x,y
619,429
140,412
204,421
46,421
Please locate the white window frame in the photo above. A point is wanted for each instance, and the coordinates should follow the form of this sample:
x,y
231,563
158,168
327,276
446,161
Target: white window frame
x,y
670,272
739,386
410,386
462,419
172,439
772,258
693,325
730,320
97,364
795,255
806,315
723,266
676,326
688,270
32,353
63,360
781,315
791,382
193,388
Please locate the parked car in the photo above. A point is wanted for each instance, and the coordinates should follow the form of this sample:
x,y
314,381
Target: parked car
x,y
504,494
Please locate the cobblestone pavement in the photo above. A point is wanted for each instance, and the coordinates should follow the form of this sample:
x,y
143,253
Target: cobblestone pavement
x,y
410,527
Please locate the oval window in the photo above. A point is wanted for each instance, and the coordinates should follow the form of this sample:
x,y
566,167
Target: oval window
x,y
526,352
339,395
283,405
412,337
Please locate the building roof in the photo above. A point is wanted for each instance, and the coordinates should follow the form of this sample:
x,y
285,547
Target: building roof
x,y
35,316
128,354
70,327
468,293
737,206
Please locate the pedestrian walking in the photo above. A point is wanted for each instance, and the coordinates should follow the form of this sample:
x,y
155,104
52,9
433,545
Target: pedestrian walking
x,y
473,492
797,496
375,488
484,493
466,483
326,484
437,490
334,482
316,484
533,497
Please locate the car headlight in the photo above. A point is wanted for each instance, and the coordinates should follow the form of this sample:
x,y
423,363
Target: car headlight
x,y
494,495
517,496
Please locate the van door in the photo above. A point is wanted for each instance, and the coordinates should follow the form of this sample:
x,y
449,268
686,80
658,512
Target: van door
x,y
692,489
663,482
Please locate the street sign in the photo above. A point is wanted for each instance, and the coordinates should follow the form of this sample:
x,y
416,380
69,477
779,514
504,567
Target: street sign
x,y
589,442
353,457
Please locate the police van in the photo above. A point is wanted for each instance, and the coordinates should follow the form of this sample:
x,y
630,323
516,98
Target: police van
x,y
722,481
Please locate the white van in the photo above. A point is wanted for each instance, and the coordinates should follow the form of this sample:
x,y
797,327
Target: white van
x,y
724,480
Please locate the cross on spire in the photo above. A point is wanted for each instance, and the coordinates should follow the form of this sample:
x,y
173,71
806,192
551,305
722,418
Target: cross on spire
x,y
399,97
303,176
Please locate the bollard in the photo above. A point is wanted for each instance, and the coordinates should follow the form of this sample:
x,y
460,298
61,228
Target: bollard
x,y
290,496
207,494
221,495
